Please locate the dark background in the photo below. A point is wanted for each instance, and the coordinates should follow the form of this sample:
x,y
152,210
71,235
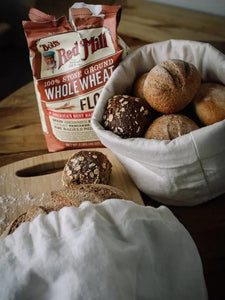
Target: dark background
x,y
15,68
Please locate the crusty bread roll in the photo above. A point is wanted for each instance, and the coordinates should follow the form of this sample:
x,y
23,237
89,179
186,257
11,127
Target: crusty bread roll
x,y
76,194
29,215
138,89
168,127
87,167
171,85
209,103
127,116
73,196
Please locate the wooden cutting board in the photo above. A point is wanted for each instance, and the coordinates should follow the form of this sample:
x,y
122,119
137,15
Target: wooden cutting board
x,y
30,181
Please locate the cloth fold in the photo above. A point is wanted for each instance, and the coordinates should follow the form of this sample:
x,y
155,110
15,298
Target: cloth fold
x,y
113,250
188,170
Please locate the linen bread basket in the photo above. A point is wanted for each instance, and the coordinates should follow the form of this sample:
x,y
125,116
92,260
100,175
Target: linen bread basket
x,y
188,170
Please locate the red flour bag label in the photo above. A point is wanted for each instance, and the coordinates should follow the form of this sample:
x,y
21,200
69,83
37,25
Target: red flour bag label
x,y
71,62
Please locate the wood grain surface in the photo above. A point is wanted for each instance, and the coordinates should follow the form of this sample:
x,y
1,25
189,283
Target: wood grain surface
x,y
153,22
30,181
141,22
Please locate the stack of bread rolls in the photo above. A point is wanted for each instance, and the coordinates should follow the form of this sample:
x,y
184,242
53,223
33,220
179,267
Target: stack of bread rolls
x,y
161,101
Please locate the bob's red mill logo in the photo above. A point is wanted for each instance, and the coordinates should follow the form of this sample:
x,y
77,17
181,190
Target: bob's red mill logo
x,y
89,46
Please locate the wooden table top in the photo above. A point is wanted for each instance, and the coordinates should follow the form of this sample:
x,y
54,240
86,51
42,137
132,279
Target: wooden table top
x,y
142,22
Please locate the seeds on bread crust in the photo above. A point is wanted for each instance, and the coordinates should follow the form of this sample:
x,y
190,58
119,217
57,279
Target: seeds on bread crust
x,y
127,116
87,167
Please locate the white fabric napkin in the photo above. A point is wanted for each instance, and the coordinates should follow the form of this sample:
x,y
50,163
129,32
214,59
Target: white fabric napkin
x,y
113,250
189,169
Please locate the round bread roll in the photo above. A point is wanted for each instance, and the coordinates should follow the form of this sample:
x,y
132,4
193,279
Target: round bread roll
x,y
209,103
87,167
171,85
168,127
72,196
75,195
29,215
138,90
127,116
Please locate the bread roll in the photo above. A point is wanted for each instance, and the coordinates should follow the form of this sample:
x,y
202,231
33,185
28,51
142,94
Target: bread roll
x,y
87,167
168,127
76,194
209,103
171,85
138,89
29,215
73,196
127,116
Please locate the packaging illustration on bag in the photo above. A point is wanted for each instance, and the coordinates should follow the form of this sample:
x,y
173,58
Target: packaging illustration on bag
x,y
71,62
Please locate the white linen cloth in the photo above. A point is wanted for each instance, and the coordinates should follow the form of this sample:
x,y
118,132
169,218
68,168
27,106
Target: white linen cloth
x,y
189,169
114,250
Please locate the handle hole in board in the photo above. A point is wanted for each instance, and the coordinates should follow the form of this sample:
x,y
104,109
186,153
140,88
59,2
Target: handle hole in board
x,y
42,169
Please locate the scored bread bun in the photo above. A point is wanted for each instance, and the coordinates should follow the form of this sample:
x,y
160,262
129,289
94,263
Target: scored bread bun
x,y
171,85
76,194
86,167
138,89
169,127
209,103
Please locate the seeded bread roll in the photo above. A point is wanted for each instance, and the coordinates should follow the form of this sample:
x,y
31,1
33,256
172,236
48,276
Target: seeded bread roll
x,y
168,127
171,85
76,194
209,103
87,167
127,116
138,90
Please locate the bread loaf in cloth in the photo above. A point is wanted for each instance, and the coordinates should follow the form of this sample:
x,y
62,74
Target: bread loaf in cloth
x,y
189,169
116,250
